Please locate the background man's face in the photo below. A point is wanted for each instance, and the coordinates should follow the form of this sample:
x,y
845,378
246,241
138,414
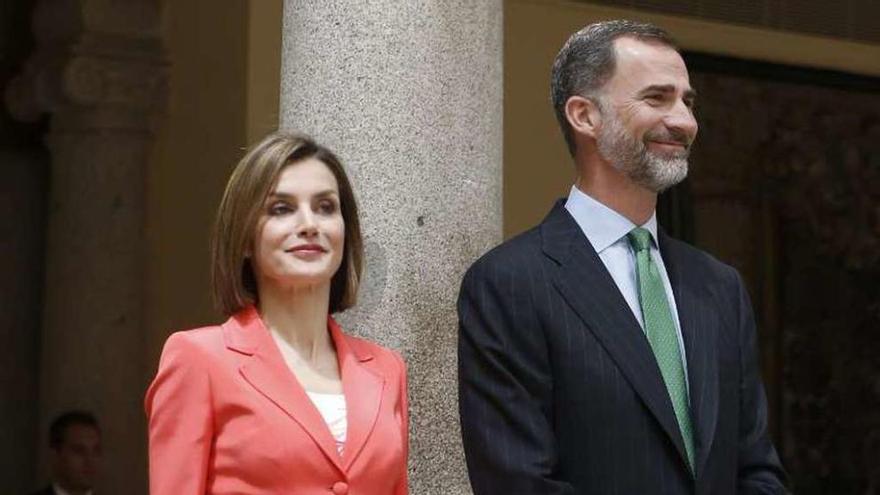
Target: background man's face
x,y
647,122
76,459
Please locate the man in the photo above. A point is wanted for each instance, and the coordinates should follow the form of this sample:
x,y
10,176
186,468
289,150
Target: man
x,y
75,443
597,355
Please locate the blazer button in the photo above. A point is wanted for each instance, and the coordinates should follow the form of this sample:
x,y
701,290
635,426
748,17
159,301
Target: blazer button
x,y
340,488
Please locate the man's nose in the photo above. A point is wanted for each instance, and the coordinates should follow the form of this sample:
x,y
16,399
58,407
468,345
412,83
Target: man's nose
x,y
681,118
92,459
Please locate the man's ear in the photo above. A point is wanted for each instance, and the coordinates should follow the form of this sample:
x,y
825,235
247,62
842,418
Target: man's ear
x,y
583,116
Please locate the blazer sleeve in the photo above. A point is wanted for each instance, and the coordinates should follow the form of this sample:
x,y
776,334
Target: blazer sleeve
x,y
760,471
505,384
402,487
180,417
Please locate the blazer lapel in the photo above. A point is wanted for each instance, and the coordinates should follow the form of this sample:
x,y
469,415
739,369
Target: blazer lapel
x,y
588,288
265,370
363,392
699,327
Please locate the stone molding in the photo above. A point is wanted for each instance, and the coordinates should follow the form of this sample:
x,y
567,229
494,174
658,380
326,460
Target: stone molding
x,y
91,75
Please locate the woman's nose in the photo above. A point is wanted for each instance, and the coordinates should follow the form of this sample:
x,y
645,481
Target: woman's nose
x,y
308,225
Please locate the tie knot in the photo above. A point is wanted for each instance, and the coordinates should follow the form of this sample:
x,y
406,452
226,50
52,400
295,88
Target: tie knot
x,y
639,239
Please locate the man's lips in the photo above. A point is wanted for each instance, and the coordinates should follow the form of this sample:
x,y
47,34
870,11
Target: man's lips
x,y
670,143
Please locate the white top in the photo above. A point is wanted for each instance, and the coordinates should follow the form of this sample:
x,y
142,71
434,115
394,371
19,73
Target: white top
x,y
606,230
332,409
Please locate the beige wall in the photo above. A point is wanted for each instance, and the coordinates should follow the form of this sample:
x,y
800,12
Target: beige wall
x,y
199,140
537,168
224,72
263,67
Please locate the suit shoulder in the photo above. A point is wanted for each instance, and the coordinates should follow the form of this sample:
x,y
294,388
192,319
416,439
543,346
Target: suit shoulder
x,y
199,336
194,342
706,266
510,251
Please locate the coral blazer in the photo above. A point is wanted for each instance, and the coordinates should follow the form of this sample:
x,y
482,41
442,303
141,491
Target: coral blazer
x,y
226,415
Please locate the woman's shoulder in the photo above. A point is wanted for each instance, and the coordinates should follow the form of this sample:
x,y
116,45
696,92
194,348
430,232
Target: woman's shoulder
x,y
195,341
363,346
367,350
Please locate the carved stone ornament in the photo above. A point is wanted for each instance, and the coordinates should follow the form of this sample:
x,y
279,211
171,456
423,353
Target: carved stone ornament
x,y
93,66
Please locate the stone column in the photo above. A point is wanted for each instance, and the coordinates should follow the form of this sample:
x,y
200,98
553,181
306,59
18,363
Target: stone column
x,y
98,70
410,96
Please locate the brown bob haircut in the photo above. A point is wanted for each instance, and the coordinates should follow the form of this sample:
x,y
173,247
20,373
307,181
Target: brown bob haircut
x,y
233,279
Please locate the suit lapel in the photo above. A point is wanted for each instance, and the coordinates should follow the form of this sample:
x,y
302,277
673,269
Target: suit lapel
x,y
699,327
265,370
363,392
588,288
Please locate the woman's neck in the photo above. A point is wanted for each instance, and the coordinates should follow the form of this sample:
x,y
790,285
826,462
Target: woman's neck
x,y
298,317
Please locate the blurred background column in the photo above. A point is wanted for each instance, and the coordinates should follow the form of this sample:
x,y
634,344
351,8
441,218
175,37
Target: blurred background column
x,y
410,96
98,71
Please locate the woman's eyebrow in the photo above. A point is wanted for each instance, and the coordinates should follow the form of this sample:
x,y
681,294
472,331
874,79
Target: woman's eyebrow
x,y
287,195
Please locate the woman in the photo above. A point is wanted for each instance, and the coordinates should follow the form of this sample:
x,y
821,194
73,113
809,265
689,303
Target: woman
x,y
278,399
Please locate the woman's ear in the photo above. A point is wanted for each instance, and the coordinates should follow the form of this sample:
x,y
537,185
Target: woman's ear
x,y
583,116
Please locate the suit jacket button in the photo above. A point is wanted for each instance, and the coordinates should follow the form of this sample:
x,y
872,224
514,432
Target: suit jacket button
x,y
340,488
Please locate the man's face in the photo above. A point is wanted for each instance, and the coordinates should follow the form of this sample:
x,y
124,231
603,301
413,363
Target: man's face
x,y
647,124
76,459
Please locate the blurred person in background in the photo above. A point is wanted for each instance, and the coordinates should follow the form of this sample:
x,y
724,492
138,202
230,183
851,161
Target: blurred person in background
x,y
75,444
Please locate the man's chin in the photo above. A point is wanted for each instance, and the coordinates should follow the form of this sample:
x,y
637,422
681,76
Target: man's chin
x,y
660,174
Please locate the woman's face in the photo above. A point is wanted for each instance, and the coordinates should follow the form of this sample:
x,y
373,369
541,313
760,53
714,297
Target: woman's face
x,y
300,235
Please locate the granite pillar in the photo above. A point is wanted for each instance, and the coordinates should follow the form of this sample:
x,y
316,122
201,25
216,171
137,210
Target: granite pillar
x,y
410,96
98,70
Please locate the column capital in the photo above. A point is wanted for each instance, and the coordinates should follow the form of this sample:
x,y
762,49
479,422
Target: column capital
x,y
94,66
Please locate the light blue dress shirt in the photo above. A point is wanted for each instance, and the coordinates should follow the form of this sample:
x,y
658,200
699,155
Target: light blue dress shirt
x,y
606,230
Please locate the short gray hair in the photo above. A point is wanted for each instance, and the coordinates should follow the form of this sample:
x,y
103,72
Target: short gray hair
x,y
587,61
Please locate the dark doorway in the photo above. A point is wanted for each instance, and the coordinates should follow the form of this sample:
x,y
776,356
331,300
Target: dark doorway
x,y
785,186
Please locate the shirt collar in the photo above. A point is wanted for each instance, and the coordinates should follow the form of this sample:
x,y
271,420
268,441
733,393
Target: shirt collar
x,y
602,225
62,491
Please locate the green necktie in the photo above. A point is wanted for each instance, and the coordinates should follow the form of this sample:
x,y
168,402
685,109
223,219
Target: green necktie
x,y
660,329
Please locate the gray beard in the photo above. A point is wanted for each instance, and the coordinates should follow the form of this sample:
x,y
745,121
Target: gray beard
x,y
631,156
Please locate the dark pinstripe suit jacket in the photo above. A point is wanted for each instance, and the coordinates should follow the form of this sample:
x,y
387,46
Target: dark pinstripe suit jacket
x,y
560,392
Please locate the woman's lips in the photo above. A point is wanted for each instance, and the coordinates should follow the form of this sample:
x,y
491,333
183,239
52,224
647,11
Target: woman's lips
x,y
307,250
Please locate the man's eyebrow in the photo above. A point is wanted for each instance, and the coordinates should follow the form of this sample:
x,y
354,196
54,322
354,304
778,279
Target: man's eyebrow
x,y
689,93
